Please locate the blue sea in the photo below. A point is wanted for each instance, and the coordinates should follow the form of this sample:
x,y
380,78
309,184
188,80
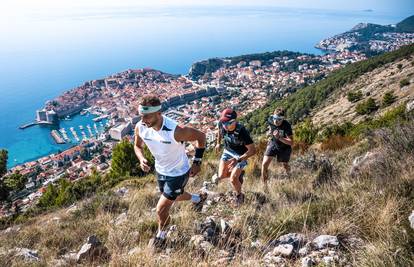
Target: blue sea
x,y
46,52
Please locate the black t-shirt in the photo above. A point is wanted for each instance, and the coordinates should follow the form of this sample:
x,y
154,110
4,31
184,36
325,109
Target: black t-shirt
x,y
236,140
285,130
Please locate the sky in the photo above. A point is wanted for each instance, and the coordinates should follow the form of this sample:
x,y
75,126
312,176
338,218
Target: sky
x,y
15,12
380,5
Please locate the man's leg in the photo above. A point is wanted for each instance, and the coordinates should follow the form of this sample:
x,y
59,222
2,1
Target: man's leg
x,y
265,168
184,197
195,198
234,177
176,187
284,158
286,167
163,214
223,171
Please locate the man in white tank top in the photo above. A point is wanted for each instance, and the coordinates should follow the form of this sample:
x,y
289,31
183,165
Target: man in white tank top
x,y
165,140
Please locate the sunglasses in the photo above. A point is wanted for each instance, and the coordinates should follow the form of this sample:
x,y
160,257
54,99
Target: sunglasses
x,y
277,118
227,123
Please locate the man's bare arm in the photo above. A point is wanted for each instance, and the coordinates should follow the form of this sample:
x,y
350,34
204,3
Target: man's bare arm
x,y
189,134
139,147
287,140
251,150
184,134
139,152
219,137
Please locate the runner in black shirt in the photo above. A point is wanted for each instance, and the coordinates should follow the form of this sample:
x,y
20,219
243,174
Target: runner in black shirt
x,y
238,147
280,143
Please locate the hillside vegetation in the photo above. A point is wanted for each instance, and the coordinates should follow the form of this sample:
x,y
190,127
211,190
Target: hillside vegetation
x,y
300,104
347,201
407,25
362,195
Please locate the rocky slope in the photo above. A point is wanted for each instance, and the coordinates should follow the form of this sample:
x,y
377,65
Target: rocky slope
x,y
345,208
338,109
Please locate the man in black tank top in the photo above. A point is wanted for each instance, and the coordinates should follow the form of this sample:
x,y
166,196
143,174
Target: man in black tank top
x,y
280,143
238,147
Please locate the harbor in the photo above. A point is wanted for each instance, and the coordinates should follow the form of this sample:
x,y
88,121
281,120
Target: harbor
x,y
38,141
74,133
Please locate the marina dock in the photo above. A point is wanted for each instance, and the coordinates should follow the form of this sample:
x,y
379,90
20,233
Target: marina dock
x,y
30,124
58,139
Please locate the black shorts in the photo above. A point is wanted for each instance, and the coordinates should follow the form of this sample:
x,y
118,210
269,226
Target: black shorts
x,y
172,186
282,154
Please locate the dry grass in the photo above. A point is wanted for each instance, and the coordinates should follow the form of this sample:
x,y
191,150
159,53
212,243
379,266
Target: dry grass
x,y
371,208
337,142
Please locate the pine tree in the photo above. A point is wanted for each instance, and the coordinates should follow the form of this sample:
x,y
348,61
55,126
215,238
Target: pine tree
x,y
15,181
47,200
124,160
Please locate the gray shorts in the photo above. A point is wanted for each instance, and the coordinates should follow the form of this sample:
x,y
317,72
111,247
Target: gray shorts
x,y
227,155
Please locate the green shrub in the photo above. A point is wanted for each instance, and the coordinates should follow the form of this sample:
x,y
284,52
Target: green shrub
x,y
306,132
366,107
388,99
354,96
389,119
404,82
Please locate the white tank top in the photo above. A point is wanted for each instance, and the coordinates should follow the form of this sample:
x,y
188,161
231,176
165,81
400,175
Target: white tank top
x,y
170,156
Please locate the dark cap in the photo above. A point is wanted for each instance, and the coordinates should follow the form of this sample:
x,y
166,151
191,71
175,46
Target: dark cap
x,y
227,115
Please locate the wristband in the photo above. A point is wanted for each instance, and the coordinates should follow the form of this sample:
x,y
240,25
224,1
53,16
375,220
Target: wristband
x,y
197,161
199,153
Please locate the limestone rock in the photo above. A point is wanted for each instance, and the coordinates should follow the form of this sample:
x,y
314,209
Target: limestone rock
x,y
26,254
324,241
196,240
411,219
285,250
307,262
92,249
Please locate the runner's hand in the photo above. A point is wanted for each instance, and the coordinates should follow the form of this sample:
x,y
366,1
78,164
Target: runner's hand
x,y
194,170
144,165
232,163
276,134
217,148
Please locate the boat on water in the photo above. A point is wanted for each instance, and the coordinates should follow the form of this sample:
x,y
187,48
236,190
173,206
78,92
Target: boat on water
x,y
81,127
100,118
83,112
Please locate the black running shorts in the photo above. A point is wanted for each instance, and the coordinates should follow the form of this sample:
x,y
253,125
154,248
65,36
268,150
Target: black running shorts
x,y
282,154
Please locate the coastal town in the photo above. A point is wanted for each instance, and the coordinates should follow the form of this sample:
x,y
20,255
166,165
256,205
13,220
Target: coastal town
x,y
357,40
244,86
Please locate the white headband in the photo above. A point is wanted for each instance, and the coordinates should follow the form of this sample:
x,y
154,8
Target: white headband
x,y
148,109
